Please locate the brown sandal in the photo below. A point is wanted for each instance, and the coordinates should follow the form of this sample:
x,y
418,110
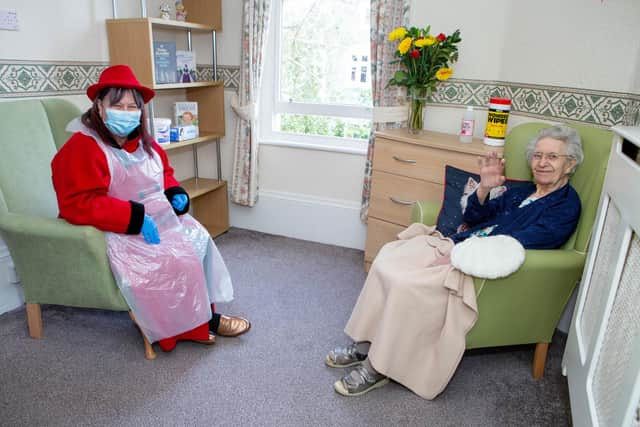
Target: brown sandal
x,y
232,326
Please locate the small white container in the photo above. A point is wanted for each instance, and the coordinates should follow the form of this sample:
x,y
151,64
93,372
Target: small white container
x,y
161,127
467,125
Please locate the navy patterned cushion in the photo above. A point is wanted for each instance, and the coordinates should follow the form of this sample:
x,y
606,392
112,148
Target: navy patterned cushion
x,y
458,185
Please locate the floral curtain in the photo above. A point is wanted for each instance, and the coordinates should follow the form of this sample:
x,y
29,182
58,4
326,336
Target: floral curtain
x,y
388,108
255,25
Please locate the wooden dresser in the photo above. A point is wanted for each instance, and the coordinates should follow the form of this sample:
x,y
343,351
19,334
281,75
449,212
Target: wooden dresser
x,y
409,168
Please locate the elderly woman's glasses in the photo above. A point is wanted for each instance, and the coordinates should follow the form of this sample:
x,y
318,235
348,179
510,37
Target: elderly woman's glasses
x,y
552,157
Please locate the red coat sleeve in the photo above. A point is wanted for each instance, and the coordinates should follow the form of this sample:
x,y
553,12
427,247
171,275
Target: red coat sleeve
x,y
81,178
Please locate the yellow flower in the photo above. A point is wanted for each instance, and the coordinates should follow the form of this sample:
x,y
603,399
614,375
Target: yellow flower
x,y
428,41
397,33
404,45
444,73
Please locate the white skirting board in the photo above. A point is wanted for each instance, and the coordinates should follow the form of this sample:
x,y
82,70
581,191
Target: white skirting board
x,y
11,295
300,216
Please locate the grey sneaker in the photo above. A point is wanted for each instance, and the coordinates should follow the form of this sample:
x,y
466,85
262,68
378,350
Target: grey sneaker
x,y
343,357
359,381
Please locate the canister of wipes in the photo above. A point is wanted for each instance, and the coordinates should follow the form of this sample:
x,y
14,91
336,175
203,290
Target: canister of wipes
x,y
497,121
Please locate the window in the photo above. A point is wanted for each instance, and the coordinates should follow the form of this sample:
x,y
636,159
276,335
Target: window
x,y
320,69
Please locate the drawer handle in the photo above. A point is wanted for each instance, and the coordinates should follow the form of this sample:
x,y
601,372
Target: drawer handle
x,y
404,160
401,202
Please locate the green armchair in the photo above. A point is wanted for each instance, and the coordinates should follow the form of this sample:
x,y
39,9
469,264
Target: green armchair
x,y
525,307
58,263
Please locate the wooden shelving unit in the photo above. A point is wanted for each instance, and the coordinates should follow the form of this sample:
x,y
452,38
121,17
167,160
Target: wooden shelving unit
x,y
131,42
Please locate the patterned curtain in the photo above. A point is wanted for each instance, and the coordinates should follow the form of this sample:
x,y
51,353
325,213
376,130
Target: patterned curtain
x,y
388,108
255,25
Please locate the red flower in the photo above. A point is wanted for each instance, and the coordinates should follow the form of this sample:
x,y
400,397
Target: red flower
x,y
414,54
441,37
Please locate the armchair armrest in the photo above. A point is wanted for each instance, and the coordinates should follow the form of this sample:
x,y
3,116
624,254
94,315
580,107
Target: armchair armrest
x,y
425,213
60,263
526,306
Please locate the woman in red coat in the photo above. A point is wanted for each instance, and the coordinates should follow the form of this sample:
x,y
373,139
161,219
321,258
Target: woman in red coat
x,y
112,175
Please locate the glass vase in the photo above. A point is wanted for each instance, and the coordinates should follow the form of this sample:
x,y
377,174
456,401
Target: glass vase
x,y
417,102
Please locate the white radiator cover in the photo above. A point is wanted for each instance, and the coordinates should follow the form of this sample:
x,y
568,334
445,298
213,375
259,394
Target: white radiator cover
x,y
602,355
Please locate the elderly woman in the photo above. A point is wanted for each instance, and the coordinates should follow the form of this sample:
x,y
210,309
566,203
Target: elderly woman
x,y
112,175
412,315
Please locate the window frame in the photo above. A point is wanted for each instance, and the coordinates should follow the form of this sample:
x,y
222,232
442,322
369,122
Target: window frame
x,y
271,106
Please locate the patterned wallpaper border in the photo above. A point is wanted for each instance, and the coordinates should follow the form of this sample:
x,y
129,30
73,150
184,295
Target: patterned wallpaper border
x,y
36,78
599,108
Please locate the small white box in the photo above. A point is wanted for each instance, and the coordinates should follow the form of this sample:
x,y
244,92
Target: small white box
x,y
183,133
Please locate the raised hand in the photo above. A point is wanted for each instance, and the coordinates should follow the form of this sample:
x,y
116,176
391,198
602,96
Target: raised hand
x,y
491,174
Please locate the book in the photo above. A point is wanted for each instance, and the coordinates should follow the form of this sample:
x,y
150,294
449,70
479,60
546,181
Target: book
x,y
185,66
185,113
164,60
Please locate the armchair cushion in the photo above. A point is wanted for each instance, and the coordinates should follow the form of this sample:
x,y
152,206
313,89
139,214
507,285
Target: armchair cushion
x,y
60,263
458,185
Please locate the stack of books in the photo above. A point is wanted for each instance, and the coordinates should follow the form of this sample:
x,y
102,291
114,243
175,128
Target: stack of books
x,y
173,66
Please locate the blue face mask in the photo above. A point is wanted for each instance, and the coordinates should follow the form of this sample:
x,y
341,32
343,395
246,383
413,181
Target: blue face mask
x,y
122,123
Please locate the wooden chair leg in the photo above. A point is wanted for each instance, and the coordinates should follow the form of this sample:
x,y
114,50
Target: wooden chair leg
x,y
539,359
34,320
149,353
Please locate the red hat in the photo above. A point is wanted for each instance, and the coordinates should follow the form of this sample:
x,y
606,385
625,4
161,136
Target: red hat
x,y
119,76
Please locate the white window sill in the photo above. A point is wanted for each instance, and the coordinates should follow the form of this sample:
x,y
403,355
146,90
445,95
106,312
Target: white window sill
x,y
351,147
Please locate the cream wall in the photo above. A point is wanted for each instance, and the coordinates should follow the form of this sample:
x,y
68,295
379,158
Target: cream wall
x,y
482,27
576,43
45,36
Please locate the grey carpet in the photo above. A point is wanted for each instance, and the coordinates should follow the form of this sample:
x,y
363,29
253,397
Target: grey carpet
x,y
89,370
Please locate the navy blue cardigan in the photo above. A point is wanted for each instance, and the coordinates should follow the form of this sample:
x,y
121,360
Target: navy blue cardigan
x,y
546,223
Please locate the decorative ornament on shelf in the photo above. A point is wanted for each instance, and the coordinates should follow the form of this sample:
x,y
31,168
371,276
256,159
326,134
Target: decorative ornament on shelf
x,y
426,61
181,13
165,11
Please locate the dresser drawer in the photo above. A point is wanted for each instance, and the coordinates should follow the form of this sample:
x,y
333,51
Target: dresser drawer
x,y
393,196
378,233
418,161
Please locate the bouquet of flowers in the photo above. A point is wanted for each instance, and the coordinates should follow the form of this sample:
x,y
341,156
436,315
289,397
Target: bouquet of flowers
x,y
426,61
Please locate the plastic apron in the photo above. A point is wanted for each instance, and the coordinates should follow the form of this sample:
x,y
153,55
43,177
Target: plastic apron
x,y
170,286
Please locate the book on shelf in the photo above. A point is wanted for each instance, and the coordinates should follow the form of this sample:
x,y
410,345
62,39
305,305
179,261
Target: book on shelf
x,y
164,60
185,66
185,113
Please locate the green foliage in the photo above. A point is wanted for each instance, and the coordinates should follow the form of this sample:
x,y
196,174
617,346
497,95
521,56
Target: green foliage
x,y
315,43
325,126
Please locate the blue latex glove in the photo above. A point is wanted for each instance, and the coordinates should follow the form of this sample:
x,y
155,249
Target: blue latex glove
x,y
150,231
179,201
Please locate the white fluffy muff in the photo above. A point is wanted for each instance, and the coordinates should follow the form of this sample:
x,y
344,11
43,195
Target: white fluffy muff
x,y
488,257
